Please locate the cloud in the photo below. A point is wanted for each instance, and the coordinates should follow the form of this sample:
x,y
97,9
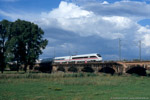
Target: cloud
x,y
146,38
68,10
15,14
116,21
119,21
121,8
105,2
71,17
91,25
144,34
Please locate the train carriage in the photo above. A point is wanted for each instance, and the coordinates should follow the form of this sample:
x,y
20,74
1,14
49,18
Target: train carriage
x,y
79,58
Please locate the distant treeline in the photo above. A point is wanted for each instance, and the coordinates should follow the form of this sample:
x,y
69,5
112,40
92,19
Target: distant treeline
x,y
20,42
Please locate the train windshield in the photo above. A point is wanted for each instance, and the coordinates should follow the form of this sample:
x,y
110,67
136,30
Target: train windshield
x,y
98,55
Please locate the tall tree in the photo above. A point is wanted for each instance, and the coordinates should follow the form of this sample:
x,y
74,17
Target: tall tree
x,y
4,27
28,42
16,45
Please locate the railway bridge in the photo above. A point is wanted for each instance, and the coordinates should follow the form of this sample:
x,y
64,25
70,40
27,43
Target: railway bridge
x,y
119,67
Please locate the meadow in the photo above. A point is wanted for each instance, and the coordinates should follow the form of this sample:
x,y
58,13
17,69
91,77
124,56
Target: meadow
x,y
73,86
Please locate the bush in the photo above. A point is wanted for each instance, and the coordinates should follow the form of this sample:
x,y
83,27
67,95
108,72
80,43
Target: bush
x,y
91,74
13,67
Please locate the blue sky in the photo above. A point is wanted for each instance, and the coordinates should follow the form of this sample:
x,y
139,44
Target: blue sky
x,y
87,26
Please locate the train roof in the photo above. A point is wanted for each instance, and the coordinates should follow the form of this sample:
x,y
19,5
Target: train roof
x,y
76,55
85,54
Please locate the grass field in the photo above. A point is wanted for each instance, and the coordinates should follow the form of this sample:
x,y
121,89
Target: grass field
x,y
79,86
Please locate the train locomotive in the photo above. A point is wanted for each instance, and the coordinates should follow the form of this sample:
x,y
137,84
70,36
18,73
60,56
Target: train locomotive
x,y
79,58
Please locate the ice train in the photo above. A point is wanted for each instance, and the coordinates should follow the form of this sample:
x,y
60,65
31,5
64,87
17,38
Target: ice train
x,y
79,58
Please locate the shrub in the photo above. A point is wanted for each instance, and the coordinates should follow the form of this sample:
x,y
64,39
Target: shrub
x,y
58,89
13,67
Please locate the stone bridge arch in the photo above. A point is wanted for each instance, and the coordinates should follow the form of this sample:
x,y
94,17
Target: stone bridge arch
x,y
88,69
108,70
136,69
72,69
61,68
107,67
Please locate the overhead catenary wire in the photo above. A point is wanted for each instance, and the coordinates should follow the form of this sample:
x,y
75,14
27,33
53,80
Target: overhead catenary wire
x,y
119,49
137,43
140,50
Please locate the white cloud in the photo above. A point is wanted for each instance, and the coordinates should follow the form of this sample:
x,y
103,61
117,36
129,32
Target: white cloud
x,y
146,40
63,14
119,21
73,18
105,2
132,9
68,10
15,14
143,33
104,20
10,15
143,30
85,23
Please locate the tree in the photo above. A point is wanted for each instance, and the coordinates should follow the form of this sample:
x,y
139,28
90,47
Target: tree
x,y
16,45
28,42
20,41
4,27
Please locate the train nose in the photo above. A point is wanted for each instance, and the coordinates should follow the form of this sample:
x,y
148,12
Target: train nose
x,y
100,59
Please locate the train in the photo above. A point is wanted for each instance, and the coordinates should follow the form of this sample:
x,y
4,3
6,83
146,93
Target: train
x,y
94,57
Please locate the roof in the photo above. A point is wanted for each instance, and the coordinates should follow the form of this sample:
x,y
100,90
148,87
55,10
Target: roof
x,y
76,55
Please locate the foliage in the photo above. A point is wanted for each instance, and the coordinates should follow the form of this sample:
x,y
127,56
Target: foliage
x,y
21,41
28,43
4,30
13,67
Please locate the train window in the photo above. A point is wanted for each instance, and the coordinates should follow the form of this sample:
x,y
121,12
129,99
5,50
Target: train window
x,y
98,55
85,57
93,57
79,57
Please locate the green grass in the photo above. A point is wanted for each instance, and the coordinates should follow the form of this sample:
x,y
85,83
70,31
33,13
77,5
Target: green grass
x,y
79,86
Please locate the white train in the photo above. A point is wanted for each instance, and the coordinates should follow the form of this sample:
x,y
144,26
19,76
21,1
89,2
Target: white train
x,y
79,58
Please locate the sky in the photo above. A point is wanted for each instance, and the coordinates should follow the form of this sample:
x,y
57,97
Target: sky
x,y
87,26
